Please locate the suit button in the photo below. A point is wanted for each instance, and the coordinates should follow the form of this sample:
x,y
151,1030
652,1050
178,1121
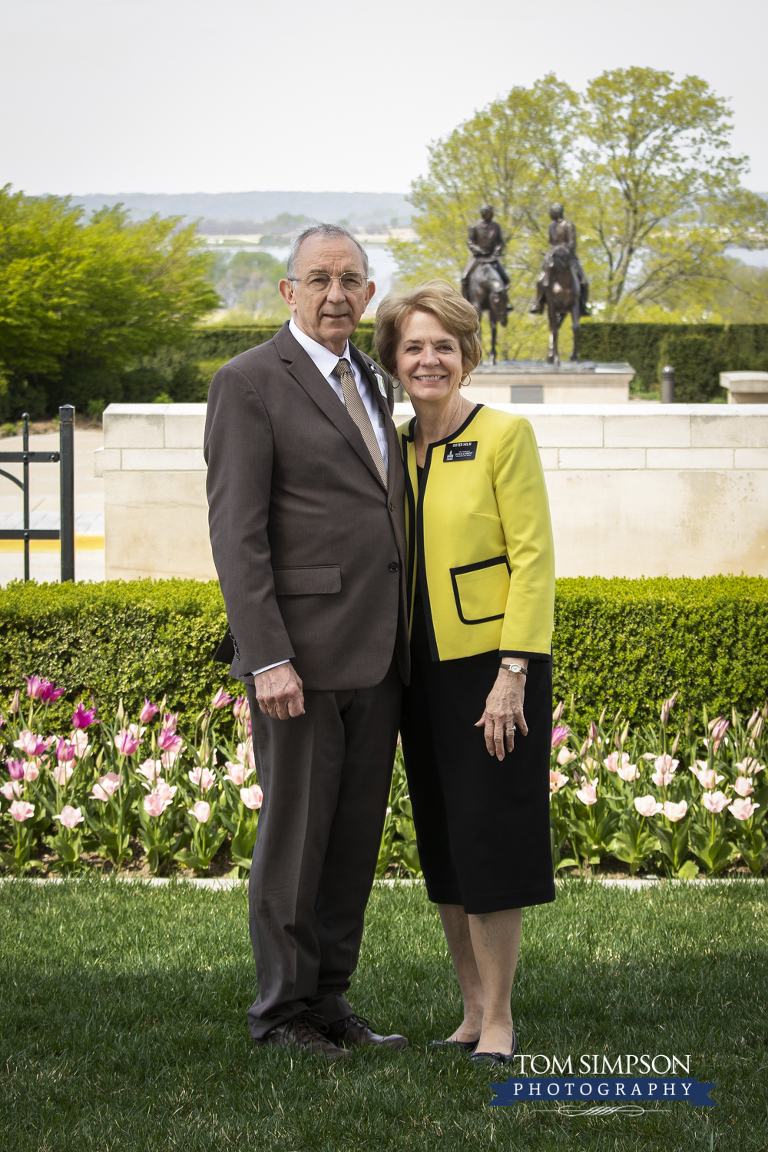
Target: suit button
x,y
391,506
394,566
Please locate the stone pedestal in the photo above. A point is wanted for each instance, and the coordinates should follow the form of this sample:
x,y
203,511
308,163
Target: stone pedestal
x,y
534,382
745,387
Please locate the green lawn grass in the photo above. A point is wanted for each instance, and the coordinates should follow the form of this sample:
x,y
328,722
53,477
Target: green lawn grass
x,y
122,1023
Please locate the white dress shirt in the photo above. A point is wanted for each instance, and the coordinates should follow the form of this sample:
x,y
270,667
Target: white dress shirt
x,y
325,361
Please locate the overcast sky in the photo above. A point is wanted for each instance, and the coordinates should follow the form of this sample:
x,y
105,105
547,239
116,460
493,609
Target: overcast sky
x,y
234,95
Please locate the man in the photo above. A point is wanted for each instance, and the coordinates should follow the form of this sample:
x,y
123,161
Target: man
x,y
305,489
561,233
485,242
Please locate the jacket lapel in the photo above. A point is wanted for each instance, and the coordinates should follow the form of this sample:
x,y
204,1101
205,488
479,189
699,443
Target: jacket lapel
x,y
306,373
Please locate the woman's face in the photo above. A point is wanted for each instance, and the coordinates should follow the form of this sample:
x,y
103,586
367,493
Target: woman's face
x,y
428,358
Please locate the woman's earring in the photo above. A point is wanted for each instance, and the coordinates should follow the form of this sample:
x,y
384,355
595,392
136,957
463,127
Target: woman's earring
x,y
466,382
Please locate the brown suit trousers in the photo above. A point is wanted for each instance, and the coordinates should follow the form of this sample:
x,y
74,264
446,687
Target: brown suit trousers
x,y
310,551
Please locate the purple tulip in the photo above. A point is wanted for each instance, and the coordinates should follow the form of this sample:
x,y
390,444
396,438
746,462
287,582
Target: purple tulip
x,y
221,698
16,769
240,708
35,687
170,720
560,734
83,717
148,711
64,751
126,742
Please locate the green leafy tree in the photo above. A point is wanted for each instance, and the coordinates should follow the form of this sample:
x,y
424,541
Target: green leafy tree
x,y
249,283
83,301
643,165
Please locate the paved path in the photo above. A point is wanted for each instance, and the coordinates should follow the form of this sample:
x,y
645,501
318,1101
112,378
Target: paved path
x,y
44,559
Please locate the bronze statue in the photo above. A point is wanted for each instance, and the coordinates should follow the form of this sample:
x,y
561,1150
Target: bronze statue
x,y
484,281
562,286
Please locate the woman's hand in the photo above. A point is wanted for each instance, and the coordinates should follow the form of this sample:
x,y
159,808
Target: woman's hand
x,y
503,712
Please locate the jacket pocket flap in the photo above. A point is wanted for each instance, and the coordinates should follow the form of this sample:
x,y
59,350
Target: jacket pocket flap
x,y
307,581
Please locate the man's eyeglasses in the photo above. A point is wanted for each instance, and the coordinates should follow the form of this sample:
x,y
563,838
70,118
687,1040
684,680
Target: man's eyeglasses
x,y
321,281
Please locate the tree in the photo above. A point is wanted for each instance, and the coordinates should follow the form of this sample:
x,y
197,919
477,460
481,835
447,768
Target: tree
x,y
88,299
643,166
249,282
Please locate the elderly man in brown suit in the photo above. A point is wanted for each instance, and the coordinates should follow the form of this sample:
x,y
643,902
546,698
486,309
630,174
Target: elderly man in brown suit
x,y
305,490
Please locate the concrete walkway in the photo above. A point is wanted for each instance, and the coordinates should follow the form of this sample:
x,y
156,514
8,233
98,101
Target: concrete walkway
x,y
45,557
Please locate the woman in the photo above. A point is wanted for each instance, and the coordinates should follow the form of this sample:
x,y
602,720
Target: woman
x,y
481,580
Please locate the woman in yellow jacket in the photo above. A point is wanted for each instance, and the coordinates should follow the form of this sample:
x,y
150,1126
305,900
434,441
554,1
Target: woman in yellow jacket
x,y
481,580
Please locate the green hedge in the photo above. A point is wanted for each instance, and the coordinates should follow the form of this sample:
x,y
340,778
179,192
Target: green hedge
x,y
618,643
697,352
215,343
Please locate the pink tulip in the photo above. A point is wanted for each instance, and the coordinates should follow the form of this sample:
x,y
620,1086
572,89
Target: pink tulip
x,y
612,761
628,772
252,797
148,711
742,809
237,773
159,799
591,764
750,766
202,777
201,811
592,732
649,755
565,756
165,790
718,728
34,686
240,708
15,701
560,734
83,717
31,770
743,786
170,720
714,801
16,769
667,707
70,817
151,769
30,743
11,789
64,751
647,805
168,759
221,699
21,810
707,777
79,741
756,730
665,764
588,792
245,753
107,786
558,712
675,812
557,780
62,773
127,742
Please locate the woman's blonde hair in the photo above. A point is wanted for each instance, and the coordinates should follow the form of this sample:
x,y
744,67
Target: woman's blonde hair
x,y
440,298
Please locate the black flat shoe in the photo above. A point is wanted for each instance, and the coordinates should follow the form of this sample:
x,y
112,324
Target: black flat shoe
x,y
496,1058
465,1045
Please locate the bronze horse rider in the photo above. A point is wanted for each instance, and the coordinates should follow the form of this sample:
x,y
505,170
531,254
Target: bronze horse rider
x,y
562,286
484,281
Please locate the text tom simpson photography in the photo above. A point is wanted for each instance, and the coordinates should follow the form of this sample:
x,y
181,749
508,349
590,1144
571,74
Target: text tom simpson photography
x,y
383,577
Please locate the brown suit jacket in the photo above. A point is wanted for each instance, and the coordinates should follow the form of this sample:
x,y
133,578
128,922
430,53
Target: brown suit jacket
x,y
309,547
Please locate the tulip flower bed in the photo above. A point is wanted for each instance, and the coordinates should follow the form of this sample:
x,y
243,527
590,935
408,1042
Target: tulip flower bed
x,y
143,791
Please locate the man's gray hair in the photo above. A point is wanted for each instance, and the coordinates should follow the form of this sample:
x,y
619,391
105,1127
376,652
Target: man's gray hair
x,y
328,232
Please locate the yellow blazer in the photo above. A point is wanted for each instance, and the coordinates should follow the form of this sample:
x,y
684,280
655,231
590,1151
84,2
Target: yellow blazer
x,y
479,527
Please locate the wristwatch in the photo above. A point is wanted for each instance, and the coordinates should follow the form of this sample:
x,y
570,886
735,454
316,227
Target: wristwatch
x,y
515,668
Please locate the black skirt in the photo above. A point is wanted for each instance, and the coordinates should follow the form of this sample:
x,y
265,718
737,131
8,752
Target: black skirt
x,y
482,824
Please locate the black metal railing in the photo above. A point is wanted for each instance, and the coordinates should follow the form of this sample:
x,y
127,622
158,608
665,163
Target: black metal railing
x,y
65,458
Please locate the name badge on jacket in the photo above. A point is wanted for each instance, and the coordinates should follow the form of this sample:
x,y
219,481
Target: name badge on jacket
x,y
460,450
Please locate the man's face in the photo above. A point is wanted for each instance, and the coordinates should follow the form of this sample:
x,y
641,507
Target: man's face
x,y
487,214
329,317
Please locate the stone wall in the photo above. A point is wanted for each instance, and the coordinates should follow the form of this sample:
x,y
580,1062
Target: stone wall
x,y
635,489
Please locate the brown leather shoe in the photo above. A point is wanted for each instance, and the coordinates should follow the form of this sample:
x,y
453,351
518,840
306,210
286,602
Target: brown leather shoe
x,y
354,1030
304,1031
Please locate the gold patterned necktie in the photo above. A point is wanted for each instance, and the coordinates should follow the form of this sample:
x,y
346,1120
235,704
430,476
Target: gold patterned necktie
x,y
359,414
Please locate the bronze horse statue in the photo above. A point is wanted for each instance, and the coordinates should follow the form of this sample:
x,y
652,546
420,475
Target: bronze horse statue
x,y
563,296
488,293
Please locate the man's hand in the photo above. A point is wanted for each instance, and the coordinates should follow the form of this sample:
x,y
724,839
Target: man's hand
x,y
279,692
503,713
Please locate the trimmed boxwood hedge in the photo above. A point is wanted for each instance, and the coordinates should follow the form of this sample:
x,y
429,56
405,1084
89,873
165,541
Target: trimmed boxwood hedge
x,y
618,643
216,343
697,352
